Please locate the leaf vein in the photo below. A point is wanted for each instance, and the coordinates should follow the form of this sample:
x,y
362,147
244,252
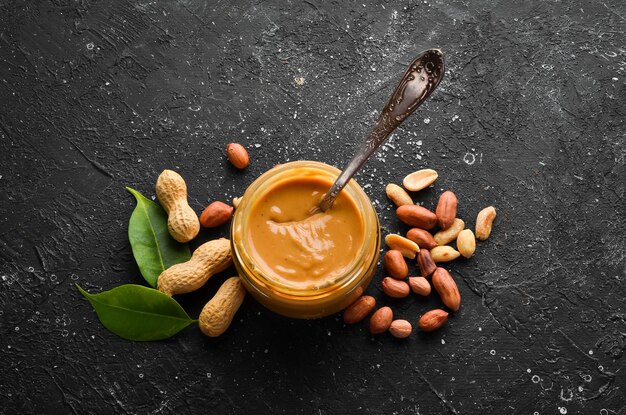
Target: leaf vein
x,y
156,241
94,299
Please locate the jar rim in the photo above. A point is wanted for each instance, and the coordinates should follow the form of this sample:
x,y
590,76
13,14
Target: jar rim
x,y
280,172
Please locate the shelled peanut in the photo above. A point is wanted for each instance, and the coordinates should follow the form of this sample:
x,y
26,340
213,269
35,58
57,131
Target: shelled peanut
x,y
237,155
420,179
446,209
358,310
420,286
216,214
416,215
466,243
484,222
444,237
444,253
381,320
433,320
395,264
395,288
400,329
447,289
407,247
426,263
398,195
422,238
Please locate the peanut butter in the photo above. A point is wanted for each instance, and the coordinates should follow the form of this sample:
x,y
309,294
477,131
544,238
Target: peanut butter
x,y
296,248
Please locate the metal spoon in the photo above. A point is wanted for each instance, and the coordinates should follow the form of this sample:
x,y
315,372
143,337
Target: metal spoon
x,y
418,82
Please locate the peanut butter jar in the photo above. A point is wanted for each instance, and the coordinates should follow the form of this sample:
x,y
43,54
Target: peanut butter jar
x,y
298,262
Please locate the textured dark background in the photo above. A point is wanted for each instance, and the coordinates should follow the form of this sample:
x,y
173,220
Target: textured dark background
x,y
98,95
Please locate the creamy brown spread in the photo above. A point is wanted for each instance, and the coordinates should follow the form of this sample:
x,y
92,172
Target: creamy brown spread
x,y
298,249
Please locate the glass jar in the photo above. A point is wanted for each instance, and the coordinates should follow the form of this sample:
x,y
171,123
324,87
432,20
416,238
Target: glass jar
x,y
305,303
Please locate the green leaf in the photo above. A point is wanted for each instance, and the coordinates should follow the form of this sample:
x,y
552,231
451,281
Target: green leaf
x,y
153,247
135,312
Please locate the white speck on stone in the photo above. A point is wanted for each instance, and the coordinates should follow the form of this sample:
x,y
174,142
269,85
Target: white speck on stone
x,y
535,379
299,81
141,375
17,328
443,341
528,370
562,410
568,398
469,159
480,329
90,46
455,117
492,352
614,78
257,145
426,120
295,115
590,351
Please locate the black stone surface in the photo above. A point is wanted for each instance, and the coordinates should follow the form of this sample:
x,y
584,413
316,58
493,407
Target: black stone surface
x,y
98,95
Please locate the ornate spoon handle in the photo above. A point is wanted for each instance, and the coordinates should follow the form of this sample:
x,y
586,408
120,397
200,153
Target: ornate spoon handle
x,y
418,82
